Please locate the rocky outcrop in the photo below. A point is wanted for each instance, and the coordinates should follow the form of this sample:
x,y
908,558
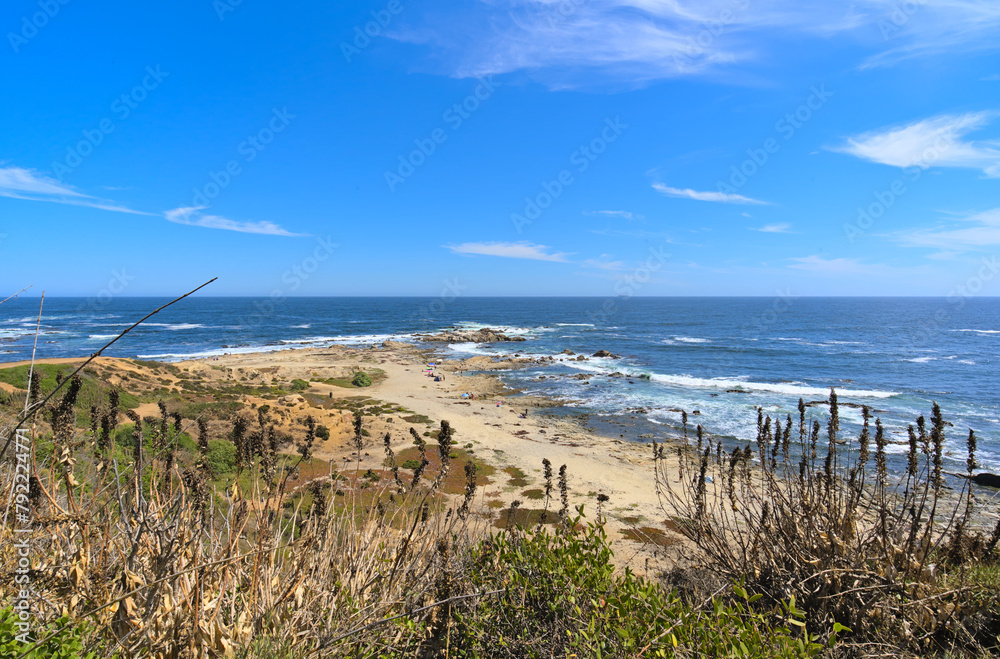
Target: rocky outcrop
x,y
987,479
605,353
567,351
485,335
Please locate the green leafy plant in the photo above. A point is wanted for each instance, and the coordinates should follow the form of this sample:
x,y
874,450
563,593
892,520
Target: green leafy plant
x,y
361,379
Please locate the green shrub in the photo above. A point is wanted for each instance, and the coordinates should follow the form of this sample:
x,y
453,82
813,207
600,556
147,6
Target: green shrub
x,y
66,643
361,379
323,432
299,385
561,595
221,456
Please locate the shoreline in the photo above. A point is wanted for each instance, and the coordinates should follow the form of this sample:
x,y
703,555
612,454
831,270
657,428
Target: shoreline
x,y
597,463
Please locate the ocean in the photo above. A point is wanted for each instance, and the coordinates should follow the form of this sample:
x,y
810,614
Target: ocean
x,y
723,357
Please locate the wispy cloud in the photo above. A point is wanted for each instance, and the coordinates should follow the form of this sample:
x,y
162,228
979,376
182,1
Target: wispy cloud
x,y
934,142
604,262
518,250
582,42
698,195
774,228
628,215
30,185
870,273
838,266
930,28
193,216
995,77
978,231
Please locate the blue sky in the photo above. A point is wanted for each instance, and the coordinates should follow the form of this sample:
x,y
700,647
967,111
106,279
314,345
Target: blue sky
x,y
501,147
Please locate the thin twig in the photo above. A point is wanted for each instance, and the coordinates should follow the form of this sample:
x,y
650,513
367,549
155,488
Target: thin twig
x,y
37,406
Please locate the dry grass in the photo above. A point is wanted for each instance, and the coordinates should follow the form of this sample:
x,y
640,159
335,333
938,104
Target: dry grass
x,y
891,559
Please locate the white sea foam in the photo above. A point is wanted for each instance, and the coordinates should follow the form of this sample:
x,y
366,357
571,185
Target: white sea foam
x,y
175,326
346,339
977,331
921,360
771,387
216,352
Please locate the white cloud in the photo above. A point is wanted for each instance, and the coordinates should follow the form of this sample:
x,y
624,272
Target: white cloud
x,y
934,142
30,185
18,179
930,28
697,195
194,217
995,77
604,262
969,234
853,267
518,250
571,43
625,214
840,266
774,228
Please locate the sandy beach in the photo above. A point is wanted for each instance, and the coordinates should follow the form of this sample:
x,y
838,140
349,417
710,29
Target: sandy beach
x,y
492,425
499,434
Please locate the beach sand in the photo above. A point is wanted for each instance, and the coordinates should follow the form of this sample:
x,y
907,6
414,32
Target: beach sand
x,y
620,469
515,446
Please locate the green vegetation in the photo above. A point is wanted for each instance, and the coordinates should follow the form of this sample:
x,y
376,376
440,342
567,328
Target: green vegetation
x,y
557,593
361,379
202,546
897,561
63,639
221,457
92,390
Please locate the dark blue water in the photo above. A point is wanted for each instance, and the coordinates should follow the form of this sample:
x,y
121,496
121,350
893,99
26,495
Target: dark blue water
x,y
894,354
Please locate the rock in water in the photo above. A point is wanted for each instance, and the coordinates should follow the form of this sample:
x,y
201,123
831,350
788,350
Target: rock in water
x,y
485,335
987,479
